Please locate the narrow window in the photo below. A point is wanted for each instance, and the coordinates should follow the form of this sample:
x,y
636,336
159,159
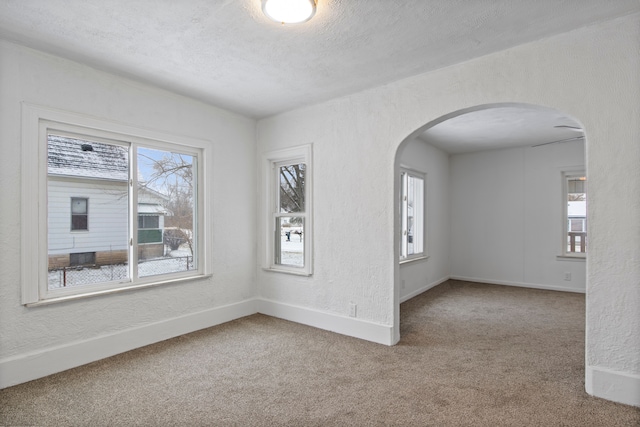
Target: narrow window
x,y
79,213
412,195
575,214
288,206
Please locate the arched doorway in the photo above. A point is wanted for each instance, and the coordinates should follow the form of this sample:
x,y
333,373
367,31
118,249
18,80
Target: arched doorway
x,y
493,190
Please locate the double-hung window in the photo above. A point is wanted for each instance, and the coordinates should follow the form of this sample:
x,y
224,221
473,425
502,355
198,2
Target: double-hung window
x,y
412,215
287,201
140,183
79,214
574,233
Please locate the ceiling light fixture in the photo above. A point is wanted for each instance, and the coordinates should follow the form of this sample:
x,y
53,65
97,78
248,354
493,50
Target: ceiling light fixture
x,y
289,11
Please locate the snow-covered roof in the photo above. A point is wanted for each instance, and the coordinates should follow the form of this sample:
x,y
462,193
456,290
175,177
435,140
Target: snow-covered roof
x,y
88,159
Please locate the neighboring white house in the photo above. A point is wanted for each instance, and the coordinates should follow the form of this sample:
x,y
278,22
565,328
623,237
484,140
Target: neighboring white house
x,y
88,206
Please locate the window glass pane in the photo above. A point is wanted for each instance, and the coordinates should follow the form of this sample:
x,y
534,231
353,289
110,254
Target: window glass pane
x,y
166,205
78,206
99,172
577,214
415,215
148,221
290,241
292,194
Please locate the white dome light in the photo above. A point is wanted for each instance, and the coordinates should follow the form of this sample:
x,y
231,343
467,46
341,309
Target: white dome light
x,y
289,11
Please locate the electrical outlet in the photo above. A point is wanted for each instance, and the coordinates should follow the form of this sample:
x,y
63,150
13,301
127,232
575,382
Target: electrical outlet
x,y
353,309
567,275
402,285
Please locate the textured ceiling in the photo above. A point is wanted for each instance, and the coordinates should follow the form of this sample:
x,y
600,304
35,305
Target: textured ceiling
x,y
503,126
227,53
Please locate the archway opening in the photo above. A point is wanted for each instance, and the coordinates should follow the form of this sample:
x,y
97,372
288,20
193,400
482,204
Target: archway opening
x,y
494,203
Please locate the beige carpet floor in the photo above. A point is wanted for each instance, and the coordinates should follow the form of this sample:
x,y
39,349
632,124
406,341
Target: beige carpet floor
x,y
470,355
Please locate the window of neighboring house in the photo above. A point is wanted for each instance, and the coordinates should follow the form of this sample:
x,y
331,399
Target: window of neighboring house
x,y
149,230
288,207
79,214
575,214
126,177
412,196
82,258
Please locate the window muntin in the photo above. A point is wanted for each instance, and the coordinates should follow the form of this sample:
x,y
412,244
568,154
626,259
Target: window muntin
x,y
575,214
412,195
288,208
41,187
79,214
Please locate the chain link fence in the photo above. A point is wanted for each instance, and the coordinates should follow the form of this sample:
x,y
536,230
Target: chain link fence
x,y
89,274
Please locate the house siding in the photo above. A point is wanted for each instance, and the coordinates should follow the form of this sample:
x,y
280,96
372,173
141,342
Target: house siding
x,y
107,233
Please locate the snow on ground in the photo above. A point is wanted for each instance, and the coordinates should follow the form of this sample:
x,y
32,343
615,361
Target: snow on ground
x,y
292,253
108,273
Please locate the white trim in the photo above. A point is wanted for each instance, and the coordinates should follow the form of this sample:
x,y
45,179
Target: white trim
x,y
519,284
38,364
572,258
616,386
418,258
423,289
374,332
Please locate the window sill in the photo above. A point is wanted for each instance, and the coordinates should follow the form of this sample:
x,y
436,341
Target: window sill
x,y
114,290
300,272
418,258
572,258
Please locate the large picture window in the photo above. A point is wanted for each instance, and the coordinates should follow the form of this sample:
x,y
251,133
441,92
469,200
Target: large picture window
x,y
141,190
412,195
288,210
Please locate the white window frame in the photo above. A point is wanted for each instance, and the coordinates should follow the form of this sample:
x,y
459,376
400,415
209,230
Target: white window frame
x,y
271,161
567,174
37,121
405,174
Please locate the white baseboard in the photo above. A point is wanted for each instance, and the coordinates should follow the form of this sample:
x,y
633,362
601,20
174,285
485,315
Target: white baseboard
x,y
519,284
349,326
607,384
423,289
49,361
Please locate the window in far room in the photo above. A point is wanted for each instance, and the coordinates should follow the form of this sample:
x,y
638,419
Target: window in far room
x,y
412,196
575,214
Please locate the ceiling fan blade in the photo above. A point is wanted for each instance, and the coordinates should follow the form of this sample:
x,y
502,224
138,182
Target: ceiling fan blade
x,y
560,140
569,127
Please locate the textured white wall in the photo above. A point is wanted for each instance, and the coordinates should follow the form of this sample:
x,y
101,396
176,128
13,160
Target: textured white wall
x,y
590,74
33,77
420,275
506,213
